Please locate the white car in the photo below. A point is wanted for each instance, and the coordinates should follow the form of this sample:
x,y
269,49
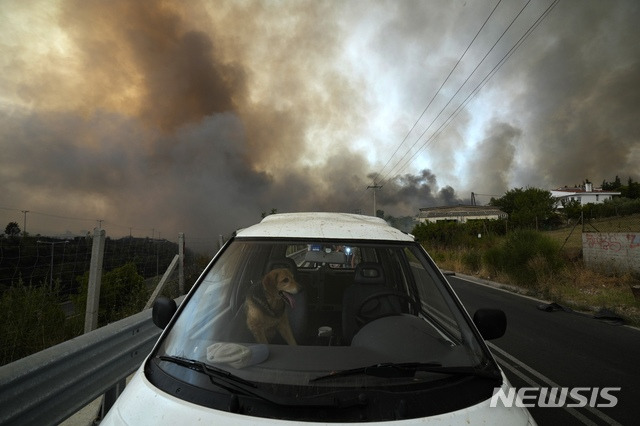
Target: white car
x,y
319,318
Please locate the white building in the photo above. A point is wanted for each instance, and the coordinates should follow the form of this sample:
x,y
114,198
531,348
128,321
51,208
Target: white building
x,y
460,214
585,194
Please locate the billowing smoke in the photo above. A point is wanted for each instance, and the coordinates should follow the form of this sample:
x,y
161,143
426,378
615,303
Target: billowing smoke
x,y
160,127
199,116
493,160
411,192
577,86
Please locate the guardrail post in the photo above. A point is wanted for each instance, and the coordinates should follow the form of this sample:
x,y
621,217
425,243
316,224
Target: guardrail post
x,y
95,278
110,397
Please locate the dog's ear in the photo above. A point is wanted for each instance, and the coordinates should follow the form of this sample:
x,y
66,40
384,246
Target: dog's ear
x,y
270,280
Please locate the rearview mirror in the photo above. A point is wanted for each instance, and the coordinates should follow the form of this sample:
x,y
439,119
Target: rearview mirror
x,y
492,323
162,311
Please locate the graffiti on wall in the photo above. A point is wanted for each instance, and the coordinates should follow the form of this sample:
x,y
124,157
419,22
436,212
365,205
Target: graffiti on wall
x,y
612,251
611,242
603,242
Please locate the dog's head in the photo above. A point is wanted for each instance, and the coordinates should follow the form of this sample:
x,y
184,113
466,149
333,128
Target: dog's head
x,y
280,281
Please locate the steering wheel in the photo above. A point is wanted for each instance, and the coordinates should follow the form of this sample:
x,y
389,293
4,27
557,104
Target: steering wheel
x,y
362,317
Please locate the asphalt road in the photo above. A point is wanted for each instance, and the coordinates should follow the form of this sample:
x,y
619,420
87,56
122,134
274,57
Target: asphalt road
x,y
565,349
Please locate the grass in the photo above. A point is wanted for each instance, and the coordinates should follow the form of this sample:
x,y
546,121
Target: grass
x,y
572,285
571,236
587,290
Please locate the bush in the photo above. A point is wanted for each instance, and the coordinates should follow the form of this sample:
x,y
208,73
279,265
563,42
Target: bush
x,y
456,235
122,293
31,320
472,259
528,257
618,206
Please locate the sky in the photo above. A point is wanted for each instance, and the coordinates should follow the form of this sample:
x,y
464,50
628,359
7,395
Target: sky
x,y
149,118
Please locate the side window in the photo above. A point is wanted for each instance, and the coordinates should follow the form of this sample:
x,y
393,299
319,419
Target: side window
x,y
432,301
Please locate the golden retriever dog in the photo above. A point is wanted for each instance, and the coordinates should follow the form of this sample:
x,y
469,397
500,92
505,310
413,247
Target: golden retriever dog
x,y
265,305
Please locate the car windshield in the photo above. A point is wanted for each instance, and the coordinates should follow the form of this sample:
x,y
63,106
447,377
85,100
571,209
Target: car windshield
x,y
318,314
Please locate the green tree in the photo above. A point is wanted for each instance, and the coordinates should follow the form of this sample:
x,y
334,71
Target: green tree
x,y
122,293
527,208
12,229
572,208
612,186
632,190
403,223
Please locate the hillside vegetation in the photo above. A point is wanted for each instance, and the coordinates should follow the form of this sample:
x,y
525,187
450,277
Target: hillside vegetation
x,y
36,282
545,264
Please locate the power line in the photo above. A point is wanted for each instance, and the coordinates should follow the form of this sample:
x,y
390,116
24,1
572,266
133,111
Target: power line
x,y
459,89
72,218
47,214
432,99
482,83
440,88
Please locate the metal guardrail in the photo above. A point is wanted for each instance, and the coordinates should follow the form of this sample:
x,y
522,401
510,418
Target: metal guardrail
x,y
50,386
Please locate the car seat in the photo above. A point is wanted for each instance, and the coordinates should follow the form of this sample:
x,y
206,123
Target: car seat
x,y
369,280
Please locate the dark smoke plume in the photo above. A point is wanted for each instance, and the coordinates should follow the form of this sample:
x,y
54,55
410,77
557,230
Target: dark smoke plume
x,y
199,116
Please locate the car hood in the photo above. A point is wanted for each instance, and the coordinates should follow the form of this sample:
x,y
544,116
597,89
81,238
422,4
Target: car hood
x,y
141,403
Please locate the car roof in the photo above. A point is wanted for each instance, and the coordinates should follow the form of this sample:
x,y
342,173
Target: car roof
x,y
324,225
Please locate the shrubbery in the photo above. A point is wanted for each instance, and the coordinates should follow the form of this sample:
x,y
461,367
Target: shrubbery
x,y
528,257
613,207
453,234
31,320
122,293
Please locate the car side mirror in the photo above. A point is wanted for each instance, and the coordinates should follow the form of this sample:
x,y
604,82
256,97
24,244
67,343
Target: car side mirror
x,y
162,311
492,323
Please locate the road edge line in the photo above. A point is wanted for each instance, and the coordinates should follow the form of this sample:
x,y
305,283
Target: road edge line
x,y
546,381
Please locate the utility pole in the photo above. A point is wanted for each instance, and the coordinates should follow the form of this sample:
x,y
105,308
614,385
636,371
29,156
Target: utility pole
x,y
52,244
24,224
374,187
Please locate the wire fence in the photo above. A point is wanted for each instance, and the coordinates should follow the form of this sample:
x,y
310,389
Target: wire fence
x,y
43,285
60,263
39,249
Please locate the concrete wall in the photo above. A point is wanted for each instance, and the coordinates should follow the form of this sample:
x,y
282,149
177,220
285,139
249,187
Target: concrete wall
x,y
612,252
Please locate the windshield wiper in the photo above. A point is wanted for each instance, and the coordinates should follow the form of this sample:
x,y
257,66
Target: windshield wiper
x,y
235,384
409,369
211,371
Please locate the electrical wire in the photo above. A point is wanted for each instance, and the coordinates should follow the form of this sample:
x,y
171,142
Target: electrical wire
x,y
483,82
430,102
461,86
478,87
440,88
